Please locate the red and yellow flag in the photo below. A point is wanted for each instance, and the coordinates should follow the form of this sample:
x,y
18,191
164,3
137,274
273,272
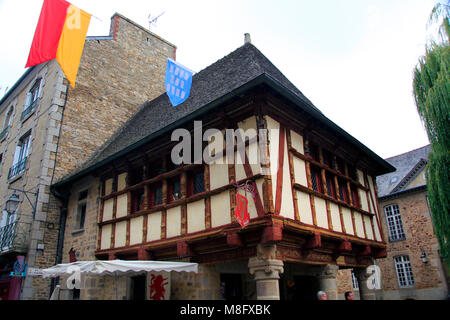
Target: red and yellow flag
x,y
60,34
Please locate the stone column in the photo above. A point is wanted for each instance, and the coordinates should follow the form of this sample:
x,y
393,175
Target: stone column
x,y
266,269
366,287
327,281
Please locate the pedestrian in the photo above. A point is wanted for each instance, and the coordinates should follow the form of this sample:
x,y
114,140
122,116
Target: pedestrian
x,y
321,295
349,295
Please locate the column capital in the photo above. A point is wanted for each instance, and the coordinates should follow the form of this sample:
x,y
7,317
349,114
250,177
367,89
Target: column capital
x,y
365,282
327,280
265,265
265,269
328,271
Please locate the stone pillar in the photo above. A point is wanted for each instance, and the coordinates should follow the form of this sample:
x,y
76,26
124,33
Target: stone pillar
x,y
327,281
366,287
266,269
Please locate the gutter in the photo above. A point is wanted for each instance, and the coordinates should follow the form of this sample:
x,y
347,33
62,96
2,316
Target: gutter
x,y
403,192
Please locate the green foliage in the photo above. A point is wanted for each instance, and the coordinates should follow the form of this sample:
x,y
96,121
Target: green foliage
x,y
438,187
431,85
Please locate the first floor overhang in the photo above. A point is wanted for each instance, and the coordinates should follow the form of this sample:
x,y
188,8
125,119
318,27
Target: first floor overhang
x,y
295,242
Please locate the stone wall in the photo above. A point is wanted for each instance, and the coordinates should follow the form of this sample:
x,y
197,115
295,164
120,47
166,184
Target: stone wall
x,y
429,280
204,285
117,74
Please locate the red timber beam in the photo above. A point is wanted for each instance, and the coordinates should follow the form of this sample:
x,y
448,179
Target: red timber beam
x,y
234,239
184,249
272,233
345,246
314,242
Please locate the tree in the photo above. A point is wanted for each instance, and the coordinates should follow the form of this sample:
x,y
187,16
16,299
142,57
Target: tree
x,y
431,87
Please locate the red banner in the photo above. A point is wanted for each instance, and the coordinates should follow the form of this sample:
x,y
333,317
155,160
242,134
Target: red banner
x,y
241,211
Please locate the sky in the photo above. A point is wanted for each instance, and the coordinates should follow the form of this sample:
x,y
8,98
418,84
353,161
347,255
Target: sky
x,y
354,59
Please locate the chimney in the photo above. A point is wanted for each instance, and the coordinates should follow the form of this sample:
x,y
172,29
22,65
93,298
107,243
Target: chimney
x,y
247,38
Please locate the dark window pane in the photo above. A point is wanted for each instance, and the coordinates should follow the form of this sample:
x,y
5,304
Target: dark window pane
x,y
199,183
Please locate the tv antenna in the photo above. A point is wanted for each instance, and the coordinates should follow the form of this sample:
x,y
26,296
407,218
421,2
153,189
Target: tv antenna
x,y
152,20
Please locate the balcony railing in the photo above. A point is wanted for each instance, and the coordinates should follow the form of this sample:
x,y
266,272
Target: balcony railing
x,y
17,168
14,236
28,110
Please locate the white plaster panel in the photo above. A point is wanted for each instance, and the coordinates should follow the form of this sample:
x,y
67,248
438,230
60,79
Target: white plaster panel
x,y
348,223
335,217
196,216
136,230
220,209
359,224
321,212
368,225
360,177
363,198
108,209
122,205
377,230
154,226
297,142
121,234
108,186
218,175
173,225
122,181
106,236
300,171
304,208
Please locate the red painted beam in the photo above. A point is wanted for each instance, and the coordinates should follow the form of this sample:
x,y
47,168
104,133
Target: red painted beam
x,y
314,242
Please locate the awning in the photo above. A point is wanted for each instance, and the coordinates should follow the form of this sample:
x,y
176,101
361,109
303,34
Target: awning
x,y
118,267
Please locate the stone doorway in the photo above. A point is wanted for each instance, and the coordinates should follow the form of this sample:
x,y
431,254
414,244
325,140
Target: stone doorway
x,y
138,287
231,286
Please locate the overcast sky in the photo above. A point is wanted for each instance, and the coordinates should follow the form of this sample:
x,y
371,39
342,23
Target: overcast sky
x,y
353,59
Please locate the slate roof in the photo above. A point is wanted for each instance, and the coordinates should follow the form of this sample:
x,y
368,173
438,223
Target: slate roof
x,y
407,165
243,68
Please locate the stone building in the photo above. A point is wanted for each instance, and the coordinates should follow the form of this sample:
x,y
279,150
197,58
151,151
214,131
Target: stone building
x,y
48,128
412,268
309,188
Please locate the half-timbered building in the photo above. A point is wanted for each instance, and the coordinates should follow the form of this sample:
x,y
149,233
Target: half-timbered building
x,y
311,192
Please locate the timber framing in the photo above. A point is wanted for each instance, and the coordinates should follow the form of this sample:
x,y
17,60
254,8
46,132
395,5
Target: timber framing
x,y
317,243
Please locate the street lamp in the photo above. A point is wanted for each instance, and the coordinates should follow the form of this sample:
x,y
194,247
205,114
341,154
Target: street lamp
x,y
423,257
12,203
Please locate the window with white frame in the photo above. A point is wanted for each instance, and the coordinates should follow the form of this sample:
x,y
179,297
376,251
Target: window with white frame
x,y
7,123
404,271
394,223
32,97
20,156
81,210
